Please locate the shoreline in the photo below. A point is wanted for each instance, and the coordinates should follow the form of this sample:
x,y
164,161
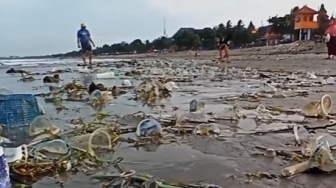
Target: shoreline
x,y
295,48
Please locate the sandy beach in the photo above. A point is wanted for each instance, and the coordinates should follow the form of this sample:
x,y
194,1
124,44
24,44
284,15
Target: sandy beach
x,y
224,162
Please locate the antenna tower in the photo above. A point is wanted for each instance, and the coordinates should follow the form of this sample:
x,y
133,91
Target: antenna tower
x,y
164,28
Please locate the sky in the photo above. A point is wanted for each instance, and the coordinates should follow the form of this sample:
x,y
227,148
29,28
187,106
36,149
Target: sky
x,y
42,27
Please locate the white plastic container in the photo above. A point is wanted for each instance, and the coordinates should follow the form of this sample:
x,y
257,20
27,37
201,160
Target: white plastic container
x,y
106,75
126,83
16,153
4,171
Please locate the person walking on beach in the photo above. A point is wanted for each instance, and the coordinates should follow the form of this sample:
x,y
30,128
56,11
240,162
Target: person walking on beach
x,y
86,43
223,47
331,39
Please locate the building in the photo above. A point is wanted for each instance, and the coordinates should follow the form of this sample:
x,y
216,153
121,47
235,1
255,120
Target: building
x,y
272,38
267,36
305,23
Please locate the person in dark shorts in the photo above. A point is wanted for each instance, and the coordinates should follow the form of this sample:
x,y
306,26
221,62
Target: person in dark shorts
x,y
331,41
223,47
86,43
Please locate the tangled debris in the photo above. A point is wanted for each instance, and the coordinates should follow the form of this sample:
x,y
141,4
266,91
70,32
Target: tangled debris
x,y
80,149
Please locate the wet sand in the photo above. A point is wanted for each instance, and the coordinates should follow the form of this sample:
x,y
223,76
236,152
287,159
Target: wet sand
x,y
223,162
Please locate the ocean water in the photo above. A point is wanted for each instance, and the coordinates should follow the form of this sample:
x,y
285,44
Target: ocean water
x,y
46,62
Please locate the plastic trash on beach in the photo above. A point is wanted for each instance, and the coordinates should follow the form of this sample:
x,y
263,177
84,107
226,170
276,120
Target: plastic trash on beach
x,y
320,157
84,70
261,110
170,86
126,83
5,181
99,139
196,117
148,127
13,154
308,142
42,127
328,81
301,134
50,150
54,87
96,94
311,75
267,88
229,114
293,76
316,108
149,85
155,71
106,75
247,94
206,129
195,105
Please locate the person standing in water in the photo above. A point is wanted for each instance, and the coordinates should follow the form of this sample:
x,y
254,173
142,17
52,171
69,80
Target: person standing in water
x,y
86,43
331,39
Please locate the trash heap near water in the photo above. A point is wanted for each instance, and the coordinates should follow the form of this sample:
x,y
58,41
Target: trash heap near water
x,y
35,146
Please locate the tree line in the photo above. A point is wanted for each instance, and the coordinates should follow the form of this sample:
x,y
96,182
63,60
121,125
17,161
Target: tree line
x,y
206,39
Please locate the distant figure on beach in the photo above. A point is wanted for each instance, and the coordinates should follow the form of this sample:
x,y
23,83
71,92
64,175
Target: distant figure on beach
x,y
331,39
223,47
86,43
51,79
12,71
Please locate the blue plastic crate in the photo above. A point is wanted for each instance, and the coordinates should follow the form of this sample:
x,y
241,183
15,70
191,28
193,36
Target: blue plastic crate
x,y
16,112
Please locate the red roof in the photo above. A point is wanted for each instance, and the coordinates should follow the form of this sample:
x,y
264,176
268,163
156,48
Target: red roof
x,y
306,10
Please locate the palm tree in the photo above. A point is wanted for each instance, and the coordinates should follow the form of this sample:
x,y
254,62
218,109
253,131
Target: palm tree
x,y
228,24
240,24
